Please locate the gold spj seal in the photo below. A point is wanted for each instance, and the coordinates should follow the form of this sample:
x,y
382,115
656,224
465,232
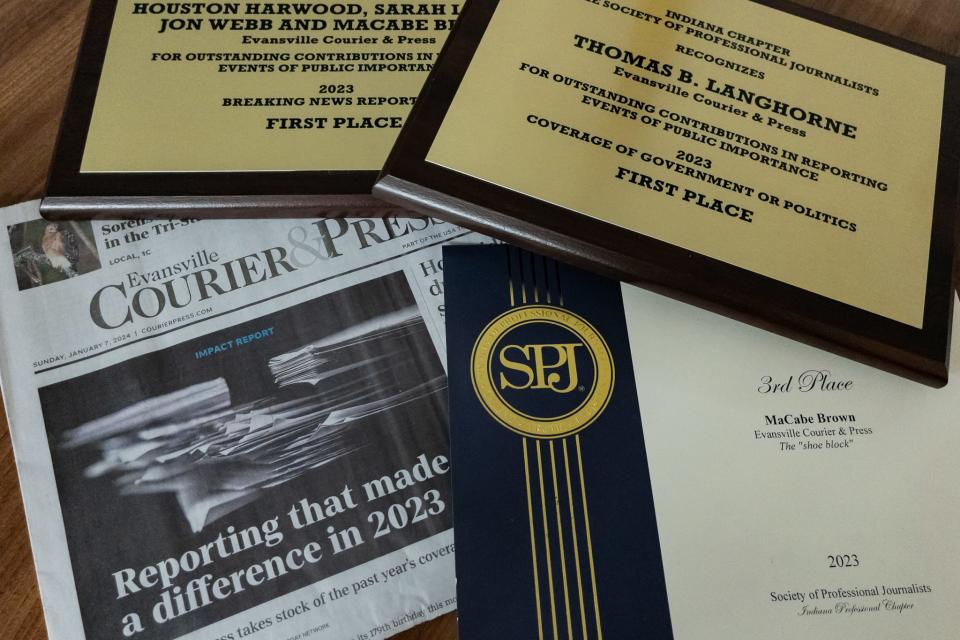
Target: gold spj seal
x,y
542,371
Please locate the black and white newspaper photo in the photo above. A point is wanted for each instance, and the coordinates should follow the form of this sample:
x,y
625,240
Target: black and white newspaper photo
x,y
231,430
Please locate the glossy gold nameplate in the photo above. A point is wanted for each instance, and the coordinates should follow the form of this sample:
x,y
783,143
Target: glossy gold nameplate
x,y
232,97
751,137
755,162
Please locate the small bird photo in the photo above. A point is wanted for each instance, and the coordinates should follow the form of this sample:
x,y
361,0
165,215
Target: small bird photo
x,y
45,252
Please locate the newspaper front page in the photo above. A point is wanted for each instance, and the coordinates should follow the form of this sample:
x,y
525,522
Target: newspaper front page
x,y
230,429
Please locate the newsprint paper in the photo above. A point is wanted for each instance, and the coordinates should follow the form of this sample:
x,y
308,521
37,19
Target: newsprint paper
x,y
230,429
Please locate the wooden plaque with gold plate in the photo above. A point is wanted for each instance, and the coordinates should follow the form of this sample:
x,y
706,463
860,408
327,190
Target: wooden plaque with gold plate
x,y
754,157
237,109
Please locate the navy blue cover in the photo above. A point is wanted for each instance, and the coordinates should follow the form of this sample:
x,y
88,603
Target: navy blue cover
x,y
498,523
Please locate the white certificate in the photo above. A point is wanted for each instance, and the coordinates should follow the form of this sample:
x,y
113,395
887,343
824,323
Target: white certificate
x,y
799,495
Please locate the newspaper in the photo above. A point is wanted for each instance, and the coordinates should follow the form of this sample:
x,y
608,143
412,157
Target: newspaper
x,y
230,429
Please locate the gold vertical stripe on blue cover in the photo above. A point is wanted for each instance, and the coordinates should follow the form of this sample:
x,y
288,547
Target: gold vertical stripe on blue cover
x,y
586,521
546,280
536,282
563,559
533,542
523,281
576,542
513,301
546,541
556,268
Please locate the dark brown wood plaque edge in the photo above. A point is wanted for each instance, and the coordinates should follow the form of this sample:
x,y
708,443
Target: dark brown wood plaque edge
x,y
71,194
918,354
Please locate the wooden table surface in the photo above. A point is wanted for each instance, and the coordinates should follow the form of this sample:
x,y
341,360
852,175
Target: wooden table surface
x,y
38,42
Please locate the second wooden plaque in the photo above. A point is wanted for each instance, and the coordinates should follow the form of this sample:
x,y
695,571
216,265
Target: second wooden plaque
x,y
238,109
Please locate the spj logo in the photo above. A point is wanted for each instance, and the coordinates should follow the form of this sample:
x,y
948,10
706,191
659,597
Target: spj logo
x,y
542,371
536,372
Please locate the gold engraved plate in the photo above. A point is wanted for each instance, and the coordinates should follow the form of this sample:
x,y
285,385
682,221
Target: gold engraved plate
x,y
260,86
758,138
